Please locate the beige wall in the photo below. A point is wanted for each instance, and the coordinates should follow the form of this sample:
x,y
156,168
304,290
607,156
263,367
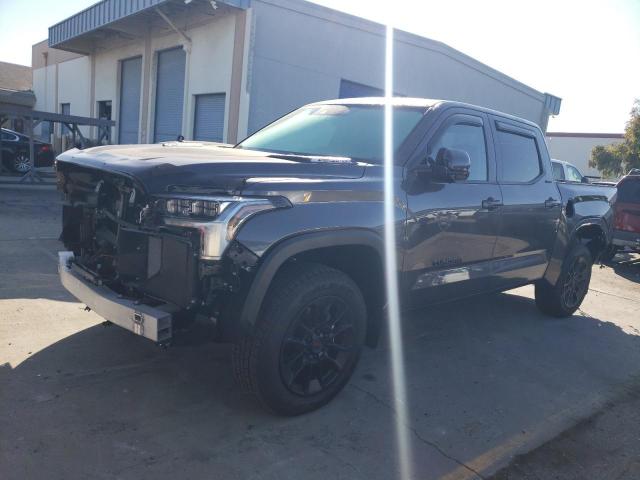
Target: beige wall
x,y
42,55
208,70
576,149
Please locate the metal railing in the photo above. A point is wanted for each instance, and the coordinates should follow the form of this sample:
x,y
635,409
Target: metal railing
x,y
32,118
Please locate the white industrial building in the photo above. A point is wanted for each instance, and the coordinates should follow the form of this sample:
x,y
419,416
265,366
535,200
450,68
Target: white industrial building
x,y
218,70
576,148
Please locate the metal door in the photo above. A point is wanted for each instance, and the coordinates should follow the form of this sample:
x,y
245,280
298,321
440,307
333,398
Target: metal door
x,y
532,203
169,95
452,226
129,114
350,89
208,123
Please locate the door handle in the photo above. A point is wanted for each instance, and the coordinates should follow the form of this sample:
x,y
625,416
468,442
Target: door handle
x,y
552,203
491,203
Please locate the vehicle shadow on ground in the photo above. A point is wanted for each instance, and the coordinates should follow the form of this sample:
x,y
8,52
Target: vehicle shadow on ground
x,y
627,266
485,378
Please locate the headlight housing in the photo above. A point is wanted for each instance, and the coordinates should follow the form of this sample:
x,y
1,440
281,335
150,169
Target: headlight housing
x,y
216,218
190,207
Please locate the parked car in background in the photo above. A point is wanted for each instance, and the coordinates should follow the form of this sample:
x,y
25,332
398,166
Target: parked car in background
x,y
626,219
567,172
15,152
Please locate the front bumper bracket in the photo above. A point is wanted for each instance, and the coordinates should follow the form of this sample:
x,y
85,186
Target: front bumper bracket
x,y
154,323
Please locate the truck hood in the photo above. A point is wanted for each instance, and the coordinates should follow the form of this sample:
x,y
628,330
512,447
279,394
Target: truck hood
x,y
217,167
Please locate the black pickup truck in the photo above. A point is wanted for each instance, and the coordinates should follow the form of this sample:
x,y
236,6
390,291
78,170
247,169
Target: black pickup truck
x,y
278,241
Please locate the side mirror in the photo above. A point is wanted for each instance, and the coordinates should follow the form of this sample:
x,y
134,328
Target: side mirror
x,y
585,180
452,165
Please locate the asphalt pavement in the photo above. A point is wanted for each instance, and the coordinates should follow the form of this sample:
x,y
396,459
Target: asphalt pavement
x,y
493,385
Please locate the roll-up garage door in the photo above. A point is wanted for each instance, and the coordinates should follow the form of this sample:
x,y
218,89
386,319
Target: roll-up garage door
x,y
350,89
169,95
129,116
208,123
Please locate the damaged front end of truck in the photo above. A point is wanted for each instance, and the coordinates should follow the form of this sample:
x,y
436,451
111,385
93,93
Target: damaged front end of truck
x,y
152,262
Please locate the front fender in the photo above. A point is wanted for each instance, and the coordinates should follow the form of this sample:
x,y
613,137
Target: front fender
x,y
277,255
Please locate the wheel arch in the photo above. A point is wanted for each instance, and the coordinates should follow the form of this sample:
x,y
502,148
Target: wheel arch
x,y
593,234
358,253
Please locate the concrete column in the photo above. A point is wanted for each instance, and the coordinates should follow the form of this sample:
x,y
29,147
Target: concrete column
x,y
187,120
237,73
145,125
92,103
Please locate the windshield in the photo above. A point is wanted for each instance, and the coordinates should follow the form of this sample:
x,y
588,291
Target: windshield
x,y
353,131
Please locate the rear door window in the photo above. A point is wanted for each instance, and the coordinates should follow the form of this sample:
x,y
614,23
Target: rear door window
x,y
520,158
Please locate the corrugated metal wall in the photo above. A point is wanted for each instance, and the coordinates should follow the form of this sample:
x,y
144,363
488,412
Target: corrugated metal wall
x,y
106,12
169,95
208,124
97,15
129,113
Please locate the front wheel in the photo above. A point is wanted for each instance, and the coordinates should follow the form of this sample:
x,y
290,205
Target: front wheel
x,y
564,298
307,341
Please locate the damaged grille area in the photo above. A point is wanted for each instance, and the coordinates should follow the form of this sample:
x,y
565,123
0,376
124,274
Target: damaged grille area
x,y
110,226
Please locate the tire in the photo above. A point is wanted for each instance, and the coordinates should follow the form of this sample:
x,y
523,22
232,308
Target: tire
x,y
608,254
565,297
306,342
20,163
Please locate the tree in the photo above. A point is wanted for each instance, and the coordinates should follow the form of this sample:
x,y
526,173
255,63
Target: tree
x,y
616,160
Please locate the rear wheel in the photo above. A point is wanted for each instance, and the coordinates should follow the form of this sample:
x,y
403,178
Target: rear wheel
x,y
307,341
564,298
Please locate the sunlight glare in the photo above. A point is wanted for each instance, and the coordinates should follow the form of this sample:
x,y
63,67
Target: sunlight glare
x,y
393,302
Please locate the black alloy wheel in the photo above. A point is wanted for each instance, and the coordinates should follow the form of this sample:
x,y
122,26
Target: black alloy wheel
x,y
562,298
320,343
576,282
306,342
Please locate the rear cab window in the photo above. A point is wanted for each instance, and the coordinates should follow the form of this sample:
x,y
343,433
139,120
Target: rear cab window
x,y
519,153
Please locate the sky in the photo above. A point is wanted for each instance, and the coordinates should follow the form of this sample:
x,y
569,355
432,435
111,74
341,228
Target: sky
x,y
586,52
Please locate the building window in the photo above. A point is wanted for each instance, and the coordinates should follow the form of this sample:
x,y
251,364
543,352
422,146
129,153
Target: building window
x,y
65,109
208,122
104,109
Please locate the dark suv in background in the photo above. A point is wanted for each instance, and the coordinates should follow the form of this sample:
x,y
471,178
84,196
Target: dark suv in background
x,y
626,223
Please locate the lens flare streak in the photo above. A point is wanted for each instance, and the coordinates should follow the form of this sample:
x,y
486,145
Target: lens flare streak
x,y
393,303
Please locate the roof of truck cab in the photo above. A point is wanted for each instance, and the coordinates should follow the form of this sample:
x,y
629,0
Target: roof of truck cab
x,y
422,103
395,101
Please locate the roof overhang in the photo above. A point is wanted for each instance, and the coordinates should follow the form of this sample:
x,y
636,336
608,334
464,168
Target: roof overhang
x,y
87,30
23,98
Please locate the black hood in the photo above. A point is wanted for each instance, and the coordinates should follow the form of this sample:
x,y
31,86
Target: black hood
x,y
190,164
